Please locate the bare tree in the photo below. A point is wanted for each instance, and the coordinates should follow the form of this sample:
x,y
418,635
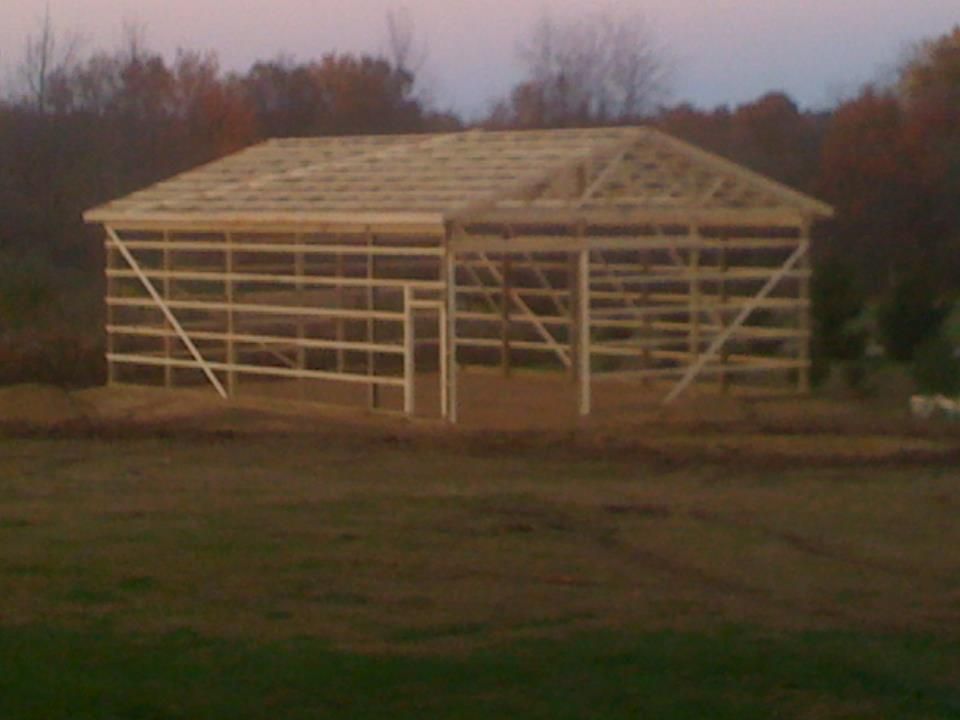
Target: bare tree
x,y
133,40
405,51
45,57
605,67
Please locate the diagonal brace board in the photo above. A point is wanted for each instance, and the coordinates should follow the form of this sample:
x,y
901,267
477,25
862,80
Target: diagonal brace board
x,y
738,321
167,312
605,175
528,312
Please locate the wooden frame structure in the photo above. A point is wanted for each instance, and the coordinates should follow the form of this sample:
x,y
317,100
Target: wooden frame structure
x,y
613,254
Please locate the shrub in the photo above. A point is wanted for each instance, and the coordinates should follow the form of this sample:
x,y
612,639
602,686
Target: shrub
x,y
837,306
912,314
935,369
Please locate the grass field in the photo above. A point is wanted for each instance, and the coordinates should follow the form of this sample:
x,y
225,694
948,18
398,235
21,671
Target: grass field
x,y
324,575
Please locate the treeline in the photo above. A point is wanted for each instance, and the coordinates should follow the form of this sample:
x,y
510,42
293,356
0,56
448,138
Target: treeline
x,y
82,130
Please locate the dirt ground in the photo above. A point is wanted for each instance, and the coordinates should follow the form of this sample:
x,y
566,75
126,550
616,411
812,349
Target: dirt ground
x,y
533,411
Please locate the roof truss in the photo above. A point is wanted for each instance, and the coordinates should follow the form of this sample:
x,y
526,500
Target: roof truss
x,y
632,173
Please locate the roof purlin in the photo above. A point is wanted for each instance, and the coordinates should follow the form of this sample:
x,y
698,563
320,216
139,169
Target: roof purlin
x,y
503,168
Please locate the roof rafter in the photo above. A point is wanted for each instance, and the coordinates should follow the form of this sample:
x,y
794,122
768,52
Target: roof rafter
x,y
633,173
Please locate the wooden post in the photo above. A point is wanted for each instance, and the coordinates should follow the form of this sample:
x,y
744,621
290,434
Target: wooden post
x,y
803,315
583,333
164,307
505,290
298,272
167,339
409,353
373,391
724,354
231,319
716,344
451,331
695,300
645,322
573,336
339,321
111,264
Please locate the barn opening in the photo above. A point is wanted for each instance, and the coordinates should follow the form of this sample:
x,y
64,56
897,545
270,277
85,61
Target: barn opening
x,y
404,273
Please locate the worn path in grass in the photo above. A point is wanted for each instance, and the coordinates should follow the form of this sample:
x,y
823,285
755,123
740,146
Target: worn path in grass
x,y
236,563
378,545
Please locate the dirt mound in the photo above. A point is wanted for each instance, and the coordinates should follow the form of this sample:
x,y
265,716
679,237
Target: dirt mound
x,y
39,406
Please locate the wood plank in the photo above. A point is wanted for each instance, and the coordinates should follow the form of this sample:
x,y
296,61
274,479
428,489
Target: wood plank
x,y
261,370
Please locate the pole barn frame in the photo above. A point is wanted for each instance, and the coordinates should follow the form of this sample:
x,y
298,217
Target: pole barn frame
x,y
612,254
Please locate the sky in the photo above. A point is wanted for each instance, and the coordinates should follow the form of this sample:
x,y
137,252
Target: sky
x,y
720,51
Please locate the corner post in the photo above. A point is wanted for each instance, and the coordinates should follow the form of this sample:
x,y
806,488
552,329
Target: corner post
x,y
450,275
583,330
803,313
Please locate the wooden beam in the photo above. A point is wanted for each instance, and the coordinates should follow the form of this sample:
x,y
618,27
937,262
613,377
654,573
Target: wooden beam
x,y
231,317
583,334
803,321
505,293
452,412
260,370
164,307
718,341
409,354
168,340
526,313
260,340
263,309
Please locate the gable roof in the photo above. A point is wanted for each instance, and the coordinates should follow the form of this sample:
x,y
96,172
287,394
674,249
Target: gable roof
x,y
630,173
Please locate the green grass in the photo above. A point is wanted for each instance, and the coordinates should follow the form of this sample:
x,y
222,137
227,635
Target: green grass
x,y
54,675
282,578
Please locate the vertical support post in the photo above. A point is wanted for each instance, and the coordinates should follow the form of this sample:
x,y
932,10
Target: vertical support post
x,y
409,353
583,332
231,319
573,325
723,294
505,289
695,296
373,390
646,327
111,264
339,321
451,332
803,314
444,359
167,338
298,271
161,304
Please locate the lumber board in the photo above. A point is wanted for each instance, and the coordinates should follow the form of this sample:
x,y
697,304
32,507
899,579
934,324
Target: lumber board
x,y
261,370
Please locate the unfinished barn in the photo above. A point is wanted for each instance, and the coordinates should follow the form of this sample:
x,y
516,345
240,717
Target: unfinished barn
x,y
385,270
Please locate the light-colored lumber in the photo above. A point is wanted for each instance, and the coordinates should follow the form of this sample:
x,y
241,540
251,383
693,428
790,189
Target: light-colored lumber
x,y
168,340
452,411
262,370
280,310
231,315
165,308
526,314
694,368
260,339
267,247
583,334
409,354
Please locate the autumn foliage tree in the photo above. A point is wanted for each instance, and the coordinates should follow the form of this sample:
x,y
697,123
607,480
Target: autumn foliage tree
x,y
84,129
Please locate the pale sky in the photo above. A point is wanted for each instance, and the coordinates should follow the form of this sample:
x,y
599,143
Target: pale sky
x,y
724,51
